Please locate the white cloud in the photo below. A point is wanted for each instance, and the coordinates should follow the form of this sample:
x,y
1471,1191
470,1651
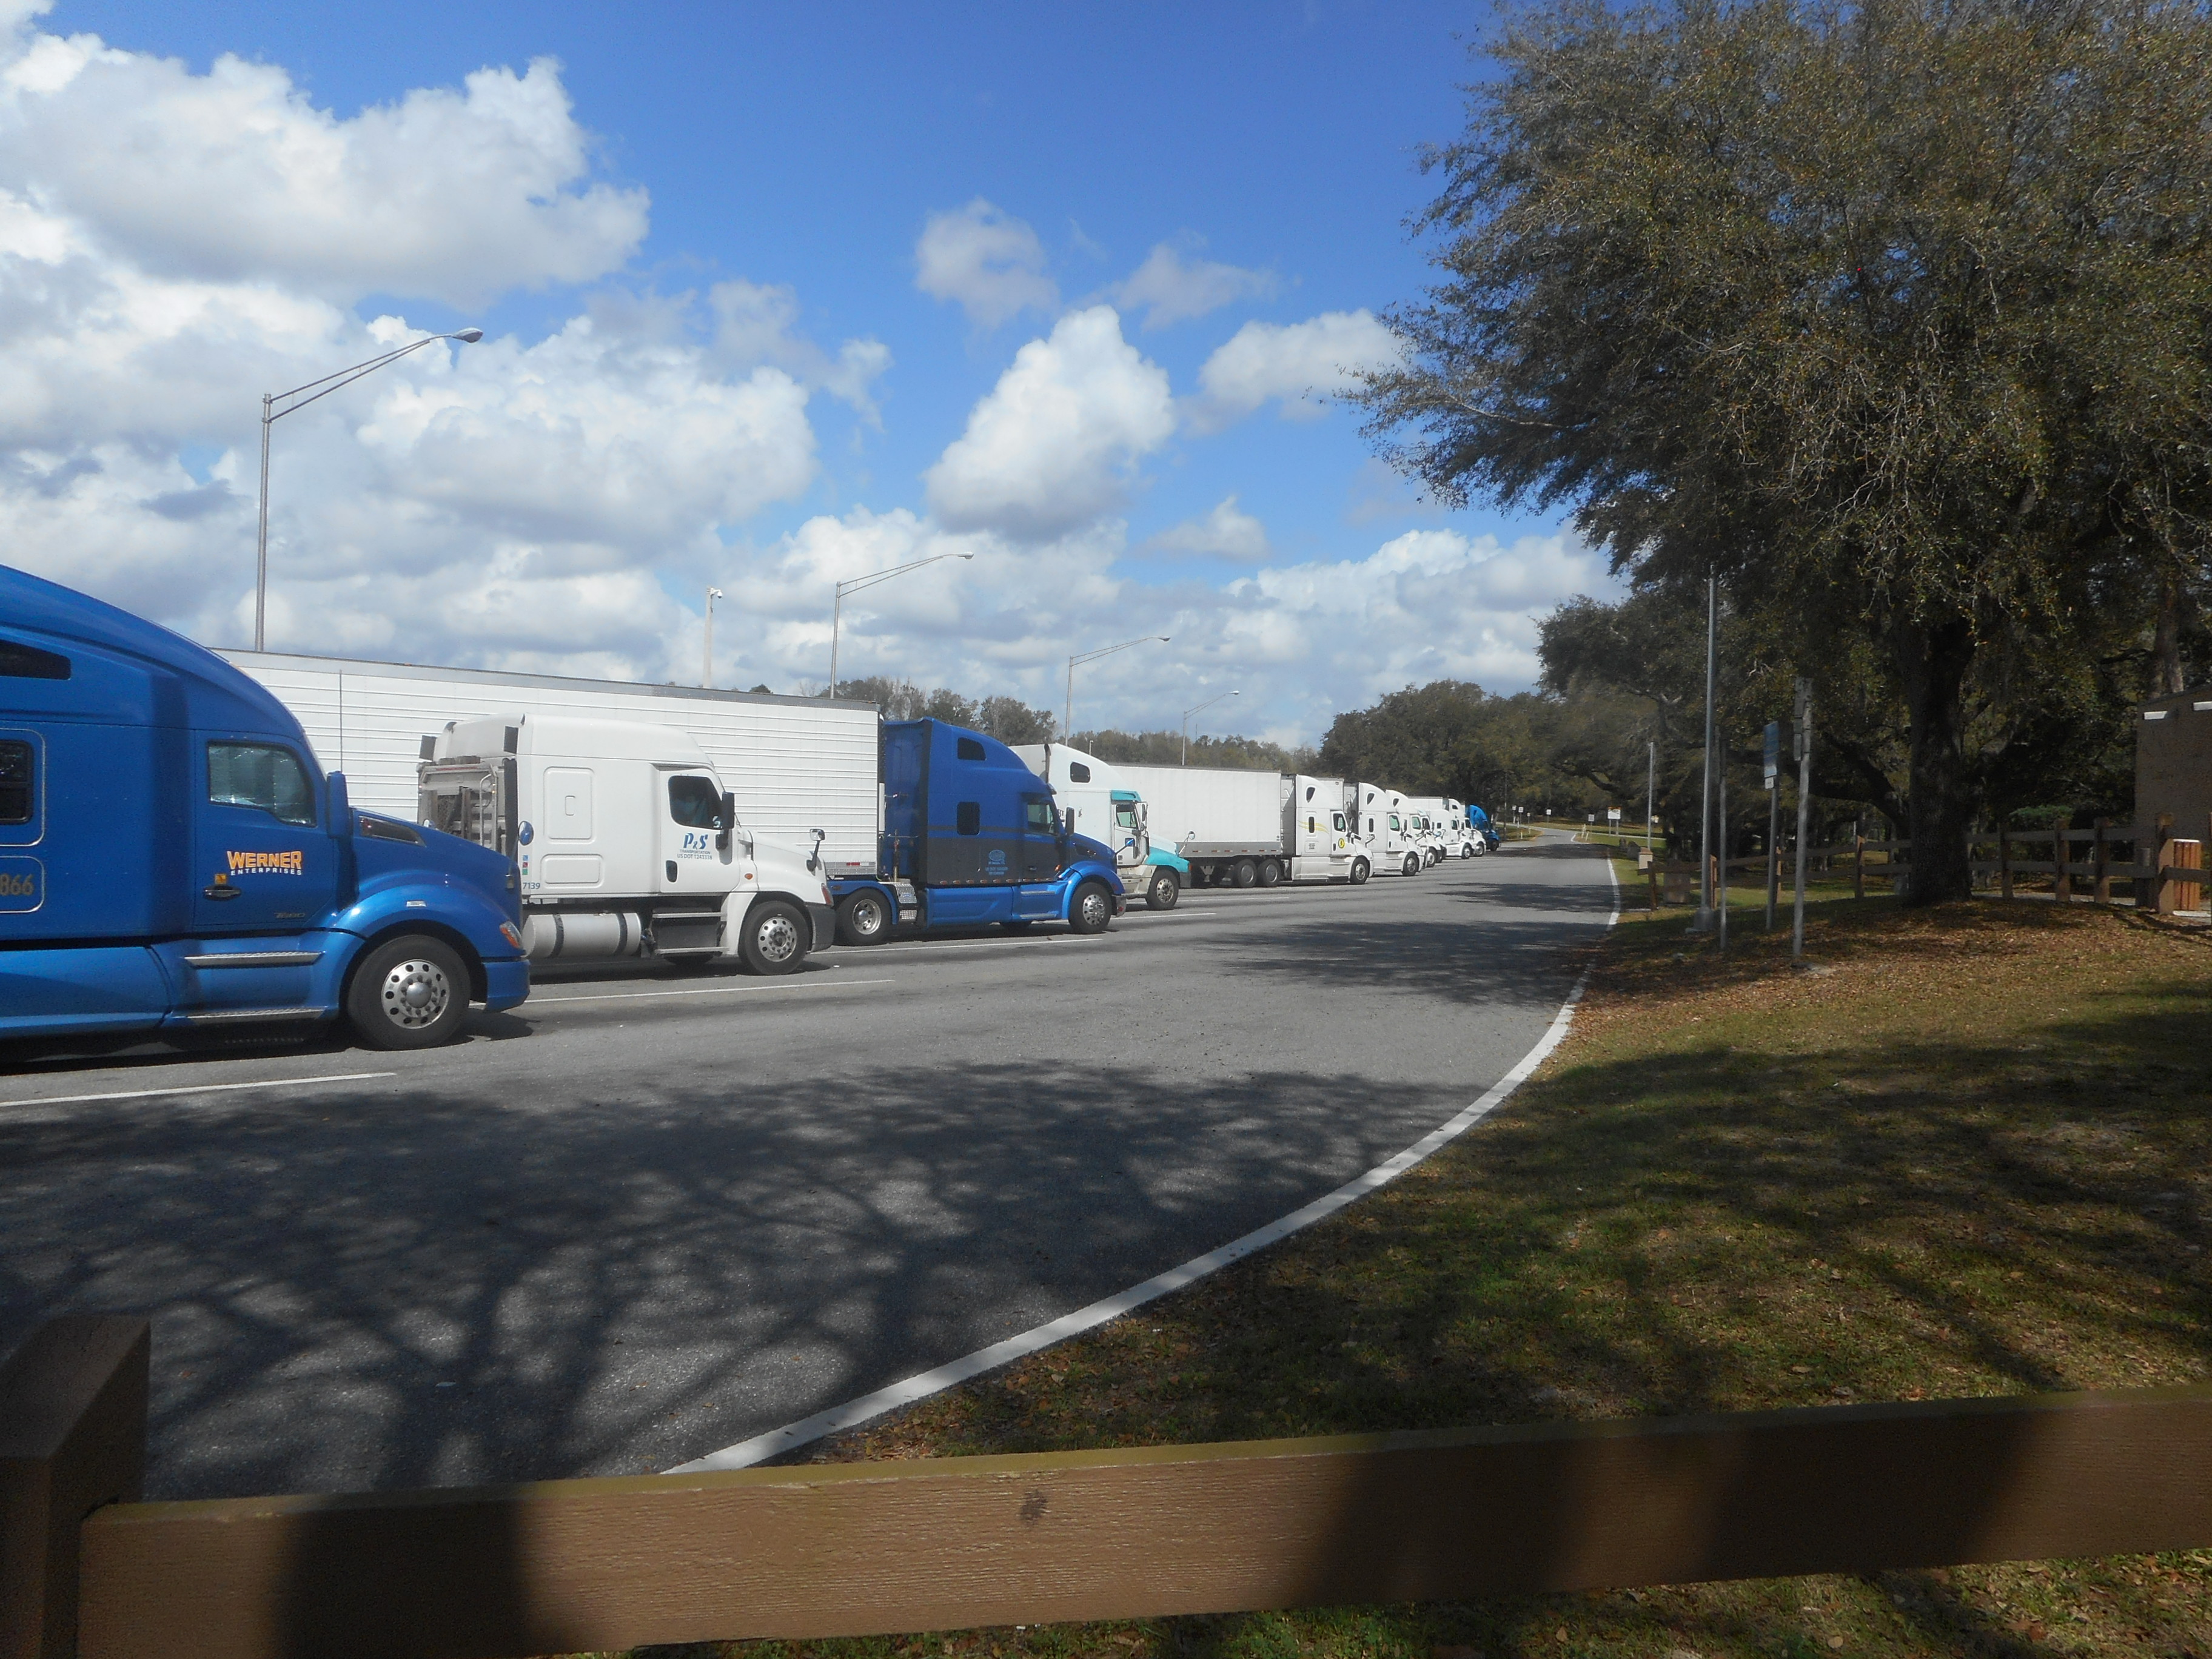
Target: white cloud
x,y
234,176
754,325
1172,288
1225,533
1303,365
1052,446
990,263
516,503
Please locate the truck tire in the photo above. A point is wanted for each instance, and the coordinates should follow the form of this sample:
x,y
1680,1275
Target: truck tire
x,y
1270,873
409,993
1411,865
773,938
1359,871
1091,907
1166,888
864,918
1243,873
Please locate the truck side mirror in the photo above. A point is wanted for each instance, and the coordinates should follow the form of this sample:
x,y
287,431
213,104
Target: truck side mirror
x,y
814,858
341,805
729,821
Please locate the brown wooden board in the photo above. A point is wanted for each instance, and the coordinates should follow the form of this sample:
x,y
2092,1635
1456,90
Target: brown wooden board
x,y
72,1438
825,1550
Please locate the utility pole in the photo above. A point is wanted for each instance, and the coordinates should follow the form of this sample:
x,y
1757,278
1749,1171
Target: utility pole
x,y
1650,786
1722,815
1702,923
1802,740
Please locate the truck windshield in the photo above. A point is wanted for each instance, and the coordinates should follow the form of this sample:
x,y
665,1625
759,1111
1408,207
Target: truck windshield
x,y
695,803
260,774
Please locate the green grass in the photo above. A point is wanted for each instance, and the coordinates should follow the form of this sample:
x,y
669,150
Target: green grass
x,y
1969,1155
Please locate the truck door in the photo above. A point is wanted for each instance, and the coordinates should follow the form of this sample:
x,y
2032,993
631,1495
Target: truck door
x,y
266,863
1040,856
696,853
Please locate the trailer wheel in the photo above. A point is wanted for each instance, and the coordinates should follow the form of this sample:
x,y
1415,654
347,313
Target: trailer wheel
x,y
774,940
1270,873
1359,871
864,918
409,993
1092,908
1411,865
1166,888
1243,873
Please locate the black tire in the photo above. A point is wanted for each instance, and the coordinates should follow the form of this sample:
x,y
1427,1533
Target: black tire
x,y
1091,907
1165,889
1411,865
1359,871
1243,873
773,937
864,918
411,992
1270,873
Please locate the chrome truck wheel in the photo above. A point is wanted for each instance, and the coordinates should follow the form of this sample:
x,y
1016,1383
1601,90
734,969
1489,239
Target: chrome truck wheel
x,y
1358,870
1092,909
1166,888
775,937
409,993
864,918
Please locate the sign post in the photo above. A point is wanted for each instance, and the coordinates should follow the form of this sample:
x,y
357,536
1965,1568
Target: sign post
x,y
1800,743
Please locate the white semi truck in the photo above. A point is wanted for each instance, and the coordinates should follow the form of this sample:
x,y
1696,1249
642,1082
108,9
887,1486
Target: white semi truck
x,y
1100,803
1244,829
626,840
795,764
1385,824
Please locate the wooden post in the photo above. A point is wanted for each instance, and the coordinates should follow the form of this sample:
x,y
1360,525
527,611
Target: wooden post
x,y
72,1438
2150,890
2100,865
2062,880
2177,854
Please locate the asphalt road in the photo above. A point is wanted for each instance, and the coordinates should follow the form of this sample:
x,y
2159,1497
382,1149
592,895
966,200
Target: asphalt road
x,y
646,1216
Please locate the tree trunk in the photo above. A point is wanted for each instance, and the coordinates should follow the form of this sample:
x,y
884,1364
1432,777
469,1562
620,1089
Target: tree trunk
x,y
2167,674
1932,664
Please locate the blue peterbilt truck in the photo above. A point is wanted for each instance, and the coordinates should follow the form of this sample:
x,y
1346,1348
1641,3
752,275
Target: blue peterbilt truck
x,y
970,837
173,860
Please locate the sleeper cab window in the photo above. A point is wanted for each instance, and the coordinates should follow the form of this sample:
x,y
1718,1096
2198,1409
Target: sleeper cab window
x,y
968,817
969,749
260,774
19,781
1313,826
695,803
1077,772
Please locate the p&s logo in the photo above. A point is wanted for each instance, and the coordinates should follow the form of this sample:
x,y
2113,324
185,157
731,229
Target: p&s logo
x,y
22,884
294,863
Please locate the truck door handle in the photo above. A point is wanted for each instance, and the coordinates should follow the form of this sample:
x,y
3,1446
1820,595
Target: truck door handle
x,y
220,892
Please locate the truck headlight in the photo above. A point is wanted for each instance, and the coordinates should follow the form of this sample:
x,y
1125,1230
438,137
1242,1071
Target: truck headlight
x,y
507,933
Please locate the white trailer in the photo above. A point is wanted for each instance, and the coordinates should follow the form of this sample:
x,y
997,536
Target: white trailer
x,y
1245,829
795,764
1385,826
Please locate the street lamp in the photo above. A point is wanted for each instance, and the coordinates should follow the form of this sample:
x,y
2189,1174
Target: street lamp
x,y
1201,708
854,586
270,415
707,668
1067,728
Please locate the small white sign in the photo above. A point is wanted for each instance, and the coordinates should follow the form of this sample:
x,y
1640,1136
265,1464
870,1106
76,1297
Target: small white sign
x,y
1613,815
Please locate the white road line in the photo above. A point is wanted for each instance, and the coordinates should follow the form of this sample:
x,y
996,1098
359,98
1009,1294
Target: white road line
x,y
708,991
853,1412
197,1089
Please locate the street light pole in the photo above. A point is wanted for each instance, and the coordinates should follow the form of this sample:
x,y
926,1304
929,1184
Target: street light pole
x,y
1650,786
1201,709
1068,715
853,585
707,664
270,415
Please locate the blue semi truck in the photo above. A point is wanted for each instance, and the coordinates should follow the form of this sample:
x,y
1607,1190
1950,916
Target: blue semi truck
x,y
970,837
173,860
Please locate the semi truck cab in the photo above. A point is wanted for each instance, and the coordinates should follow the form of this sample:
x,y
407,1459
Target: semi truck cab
x,y
625,841
1097,803
1386,826
173,860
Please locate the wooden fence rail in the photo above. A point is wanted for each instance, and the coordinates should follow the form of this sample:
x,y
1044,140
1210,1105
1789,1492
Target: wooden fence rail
x,y
856,1549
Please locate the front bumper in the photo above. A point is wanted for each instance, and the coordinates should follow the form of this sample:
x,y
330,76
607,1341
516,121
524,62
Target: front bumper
x,y
825,925
506,983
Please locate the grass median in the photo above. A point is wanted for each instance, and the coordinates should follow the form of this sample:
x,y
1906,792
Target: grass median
x,y
1967,1153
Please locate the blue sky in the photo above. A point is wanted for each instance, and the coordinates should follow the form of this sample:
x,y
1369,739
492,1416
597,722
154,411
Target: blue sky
x,y
800,160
